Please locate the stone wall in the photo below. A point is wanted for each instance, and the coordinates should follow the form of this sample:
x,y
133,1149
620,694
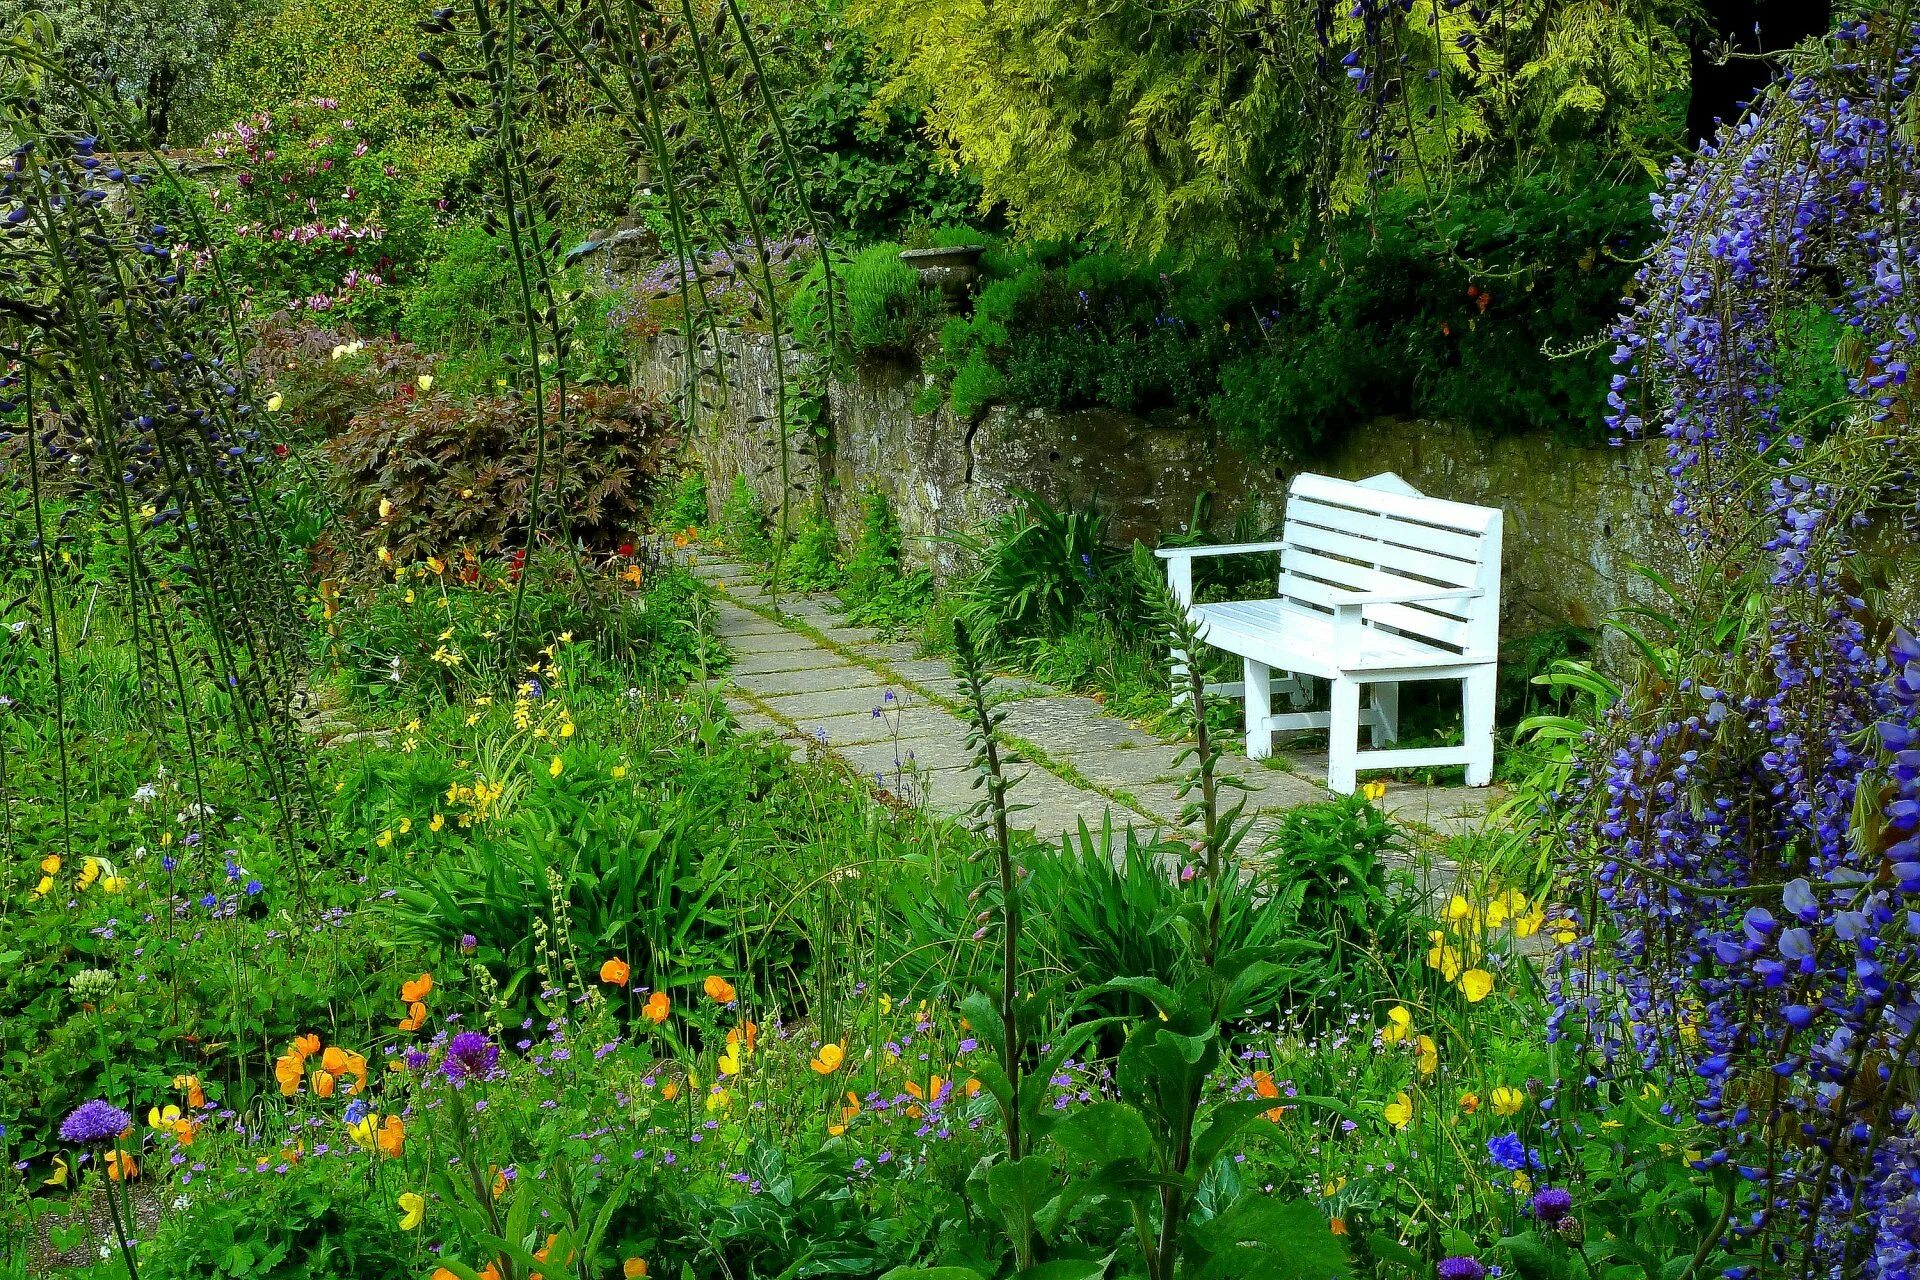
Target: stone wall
x,y
1577,516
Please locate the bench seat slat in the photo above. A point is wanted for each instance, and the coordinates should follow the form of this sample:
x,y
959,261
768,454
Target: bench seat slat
x,y
1293,637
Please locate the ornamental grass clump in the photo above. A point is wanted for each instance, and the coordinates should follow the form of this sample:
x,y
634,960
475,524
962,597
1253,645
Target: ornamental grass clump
x,y
1748,808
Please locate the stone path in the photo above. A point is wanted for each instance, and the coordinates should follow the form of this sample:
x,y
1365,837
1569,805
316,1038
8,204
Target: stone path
x,y
802,672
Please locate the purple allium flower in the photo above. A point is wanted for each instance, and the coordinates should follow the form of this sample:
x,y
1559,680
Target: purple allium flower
x,y
95,1124
1461,1267
470,1055
467,943
1551,1204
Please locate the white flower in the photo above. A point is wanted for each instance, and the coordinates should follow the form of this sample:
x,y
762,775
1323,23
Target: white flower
x,y
145,793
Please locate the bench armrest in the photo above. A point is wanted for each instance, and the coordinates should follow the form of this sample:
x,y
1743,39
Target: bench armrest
x,y
1410,595
1224,549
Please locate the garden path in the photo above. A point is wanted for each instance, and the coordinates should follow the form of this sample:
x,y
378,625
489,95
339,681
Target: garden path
x,y
802,672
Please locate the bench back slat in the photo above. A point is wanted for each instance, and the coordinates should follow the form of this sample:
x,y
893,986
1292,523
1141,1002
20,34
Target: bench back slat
x,y
1346,536
1411,561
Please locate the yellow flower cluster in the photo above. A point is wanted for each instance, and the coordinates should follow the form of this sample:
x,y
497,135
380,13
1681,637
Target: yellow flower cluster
x,y
1459,947
92,871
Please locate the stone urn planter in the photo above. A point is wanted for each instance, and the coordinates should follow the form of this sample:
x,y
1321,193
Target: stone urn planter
x,y
951,270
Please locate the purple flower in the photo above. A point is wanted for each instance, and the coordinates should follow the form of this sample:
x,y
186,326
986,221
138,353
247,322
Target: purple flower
x,y
1461,1267
470,1055
1551,1204
95,1124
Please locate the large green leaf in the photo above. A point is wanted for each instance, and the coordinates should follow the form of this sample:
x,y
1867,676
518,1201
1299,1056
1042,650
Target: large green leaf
x,y
1260,1237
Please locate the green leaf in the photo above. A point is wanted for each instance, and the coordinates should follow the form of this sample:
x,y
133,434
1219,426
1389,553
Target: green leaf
x,y
1260,1236
1104,1132
1226,1121
925,1273
1018,1189
1067,1269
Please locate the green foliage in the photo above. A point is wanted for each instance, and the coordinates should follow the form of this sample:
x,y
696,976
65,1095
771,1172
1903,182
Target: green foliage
x,y
631,873
884,308
289,1229
1212,128
685,507
455,308
317,212
879,590
1038,567
812,563
742,524
1338,857
873,174
428,637
152,56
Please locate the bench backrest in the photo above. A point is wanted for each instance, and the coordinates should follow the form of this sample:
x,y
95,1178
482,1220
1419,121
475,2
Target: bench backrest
x,y
1358,537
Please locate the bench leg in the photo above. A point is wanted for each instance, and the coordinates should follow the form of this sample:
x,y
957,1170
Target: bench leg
x,y
1477,715
1343,735
1386,714
1259,692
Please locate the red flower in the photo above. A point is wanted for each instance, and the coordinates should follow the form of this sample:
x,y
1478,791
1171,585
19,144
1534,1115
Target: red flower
x,y
626,548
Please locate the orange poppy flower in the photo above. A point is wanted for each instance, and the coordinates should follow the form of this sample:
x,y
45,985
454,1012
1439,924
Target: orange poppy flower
x,y
416,989
334,1059
656,1008
616,972
634,1268
1263,1086
121,1167
416,1017
288,1069
306,1046
720,990
196,1096
392,1137
323,1083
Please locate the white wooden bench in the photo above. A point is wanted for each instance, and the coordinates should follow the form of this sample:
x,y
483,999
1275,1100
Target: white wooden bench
x,y
1379,584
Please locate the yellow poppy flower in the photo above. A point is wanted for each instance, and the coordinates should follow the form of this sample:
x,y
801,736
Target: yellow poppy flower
x,y
425,381
413,1208
1399,1023
436,822
1475,984
274,402
1399,1112
1428,1058
828,1060
50,865
633,1268
1508,1100
554,767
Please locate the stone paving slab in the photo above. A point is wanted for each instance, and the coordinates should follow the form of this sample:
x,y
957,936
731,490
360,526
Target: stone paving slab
x,y
1070,726
826,678
849,728
777,640
930,752
829,702
800,656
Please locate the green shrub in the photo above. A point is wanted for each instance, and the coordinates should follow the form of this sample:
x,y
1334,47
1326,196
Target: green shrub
x,y
879,590
742,524
686,506
884,306
812,562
